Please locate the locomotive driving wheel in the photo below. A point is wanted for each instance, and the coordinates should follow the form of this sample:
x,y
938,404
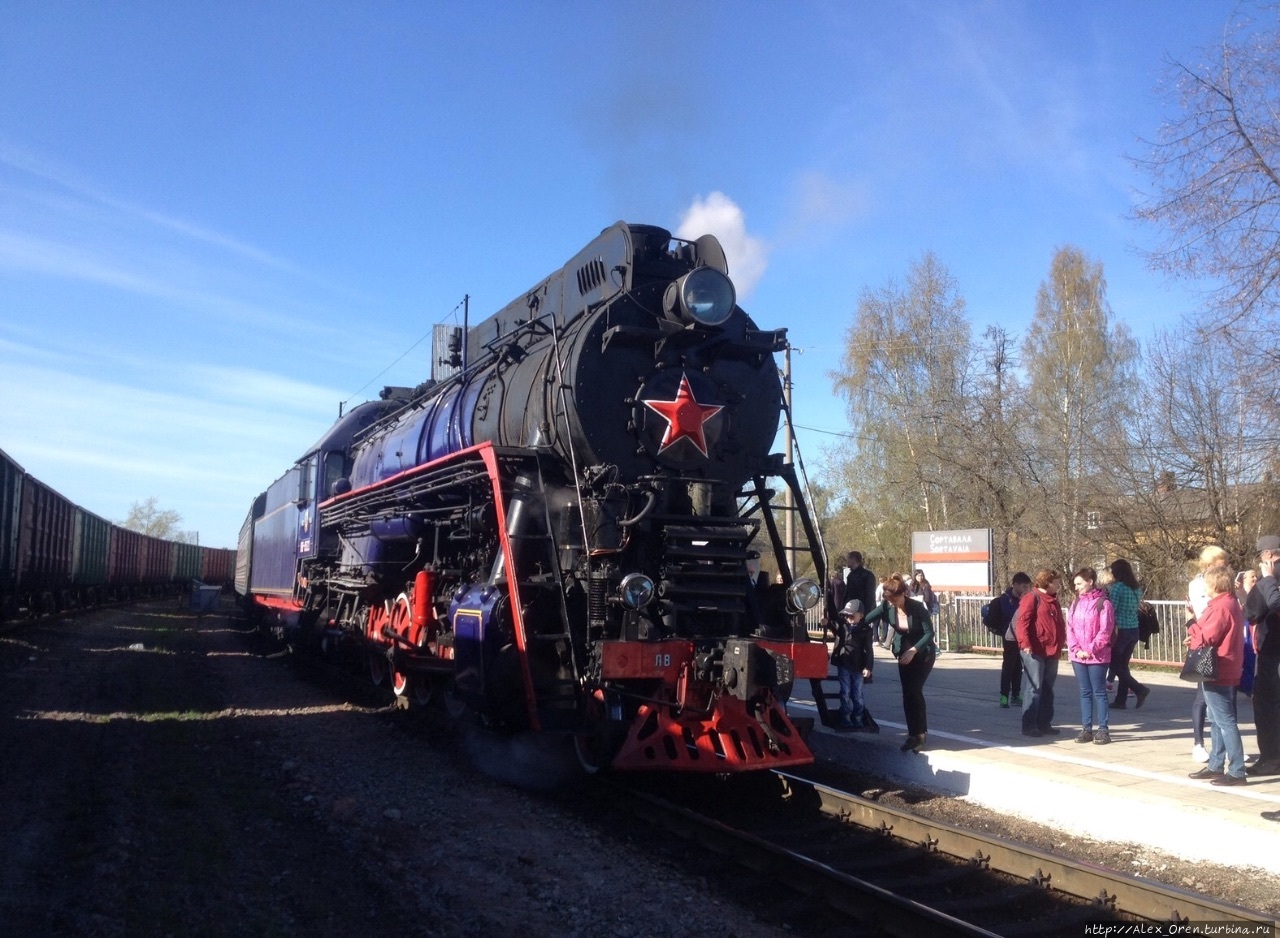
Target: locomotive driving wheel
x,y
379,666
402,624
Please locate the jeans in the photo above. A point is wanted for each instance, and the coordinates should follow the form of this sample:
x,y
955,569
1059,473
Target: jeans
x,y
1094,709
1011,671
1228,750
1266,707
1126,641
851,705
1037,706
913,676
1199,713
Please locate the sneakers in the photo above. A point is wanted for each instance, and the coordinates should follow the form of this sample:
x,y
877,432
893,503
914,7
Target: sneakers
x,y
1101,738
1086,736
1199,753
1004,701
1016,700
1206,772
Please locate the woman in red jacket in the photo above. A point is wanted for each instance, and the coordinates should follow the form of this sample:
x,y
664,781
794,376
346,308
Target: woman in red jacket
x,y
1041,632
1222,626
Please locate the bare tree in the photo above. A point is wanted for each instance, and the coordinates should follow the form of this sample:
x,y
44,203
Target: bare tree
x,y
1200,471
1216,173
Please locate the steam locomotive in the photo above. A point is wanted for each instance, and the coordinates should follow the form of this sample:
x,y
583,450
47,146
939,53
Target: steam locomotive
x,y
565,534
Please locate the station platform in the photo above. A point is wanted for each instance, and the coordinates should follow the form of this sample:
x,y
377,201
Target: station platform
x,y
1135,790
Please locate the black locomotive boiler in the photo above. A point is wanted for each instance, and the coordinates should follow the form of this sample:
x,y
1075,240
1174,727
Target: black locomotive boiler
x,y
565,535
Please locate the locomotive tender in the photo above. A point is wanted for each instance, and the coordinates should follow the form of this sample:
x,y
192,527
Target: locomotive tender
x,y
565,535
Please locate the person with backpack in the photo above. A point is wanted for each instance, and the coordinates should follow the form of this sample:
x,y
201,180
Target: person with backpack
x,y
1091,625
854,657
1125,594
998,616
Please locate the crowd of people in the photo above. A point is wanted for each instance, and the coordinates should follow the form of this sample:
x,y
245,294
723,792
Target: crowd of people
x,y
1237,614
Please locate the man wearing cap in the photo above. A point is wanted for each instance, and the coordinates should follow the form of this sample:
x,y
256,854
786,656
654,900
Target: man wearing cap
x,y
853,656
1262,606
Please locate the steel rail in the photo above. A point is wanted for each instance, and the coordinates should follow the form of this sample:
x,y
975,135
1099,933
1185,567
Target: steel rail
x,y
1113,890
872,905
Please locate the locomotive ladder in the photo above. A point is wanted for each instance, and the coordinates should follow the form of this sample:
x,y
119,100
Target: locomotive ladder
x,y
763,502
557,699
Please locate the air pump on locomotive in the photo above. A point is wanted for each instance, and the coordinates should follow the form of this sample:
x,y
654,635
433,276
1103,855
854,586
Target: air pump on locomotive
x,y
563,535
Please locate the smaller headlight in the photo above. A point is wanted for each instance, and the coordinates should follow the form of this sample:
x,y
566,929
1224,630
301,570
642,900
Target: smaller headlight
x,y
635,590
804,594
703,295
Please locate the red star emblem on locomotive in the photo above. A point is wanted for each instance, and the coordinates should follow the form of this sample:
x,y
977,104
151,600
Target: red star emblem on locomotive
x,y
685,418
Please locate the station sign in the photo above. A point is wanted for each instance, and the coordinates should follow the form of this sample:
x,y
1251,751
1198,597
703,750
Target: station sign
x,y
956,561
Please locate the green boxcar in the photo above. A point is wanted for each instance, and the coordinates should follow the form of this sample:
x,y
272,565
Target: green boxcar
x,y
89,560
186,558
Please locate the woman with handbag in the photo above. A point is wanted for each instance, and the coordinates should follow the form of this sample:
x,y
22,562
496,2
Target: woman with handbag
x,y
1221,627
1091,624
1197,599
914,647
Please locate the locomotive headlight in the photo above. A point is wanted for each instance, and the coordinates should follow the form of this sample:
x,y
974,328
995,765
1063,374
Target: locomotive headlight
x,y
636,590
703,296
803,594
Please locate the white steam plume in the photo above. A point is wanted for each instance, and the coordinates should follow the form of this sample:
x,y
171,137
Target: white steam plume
x,y
719,215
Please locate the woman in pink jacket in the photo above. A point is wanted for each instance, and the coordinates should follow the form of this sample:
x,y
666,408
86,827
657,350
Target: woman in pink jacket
x,y
1222,626
1091,625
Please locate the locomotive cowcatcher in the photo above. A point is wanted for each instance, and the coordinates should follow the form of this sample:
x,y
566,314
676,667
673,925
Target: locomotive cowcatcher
x,y
564,533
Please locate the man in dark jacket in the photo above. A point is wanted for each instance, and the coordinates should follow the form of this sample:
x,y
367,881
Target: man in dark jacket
x,y
860,584
1262,606
854,658
1011,662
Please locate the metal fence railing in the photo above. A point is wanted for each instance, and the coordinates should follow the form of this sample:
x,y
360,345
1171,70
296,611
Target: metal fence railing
x,y
959,628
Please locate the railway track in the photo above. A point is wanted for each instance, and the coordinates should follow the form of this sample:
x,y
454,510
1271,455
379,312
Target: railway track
x,y
893,872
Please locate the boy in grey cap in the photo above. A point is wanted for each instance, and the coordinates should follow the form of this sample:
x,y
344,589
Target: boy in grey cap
x,y
854,657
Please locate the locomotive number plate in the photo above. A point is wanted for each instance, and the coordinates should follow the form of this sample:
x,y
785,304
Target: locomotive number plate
x,y
621,660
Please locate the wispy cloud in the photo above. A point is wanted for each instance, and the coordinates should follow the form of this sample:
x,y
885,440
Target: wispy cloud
x,y
65,179
203,439
719,215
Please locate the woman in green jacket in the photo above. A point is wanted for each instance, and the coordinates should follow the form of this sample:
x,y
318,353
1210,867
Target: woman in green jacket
x,y
914,647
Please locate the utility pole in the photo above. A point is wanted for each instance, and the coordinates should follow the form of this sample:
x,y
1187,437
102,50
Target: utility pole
x,y
789,502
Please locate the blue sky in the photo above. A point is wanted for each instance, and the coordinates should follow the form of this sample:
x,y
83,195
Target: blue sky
x,y
219,220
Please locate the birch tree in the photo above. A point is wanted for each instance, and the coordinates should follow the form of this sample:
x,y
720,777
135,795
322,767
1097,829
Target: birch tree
x,y
1080,378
